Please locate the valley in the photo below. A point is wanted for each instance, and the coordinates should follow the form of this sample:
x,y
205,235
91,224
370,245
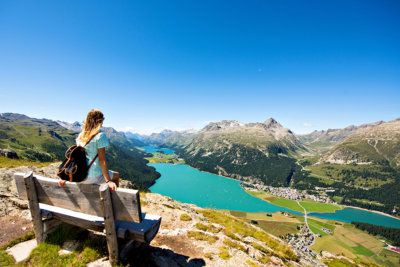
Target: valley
x,y
261,173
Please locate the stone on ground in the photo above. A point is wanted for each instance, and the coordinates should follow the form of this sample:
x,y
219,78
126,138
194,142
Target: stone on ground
x,y
22,250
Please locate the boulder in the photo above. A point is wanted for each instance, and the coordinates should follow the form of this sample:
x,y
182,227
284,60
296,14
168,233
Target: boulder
x,y
8,153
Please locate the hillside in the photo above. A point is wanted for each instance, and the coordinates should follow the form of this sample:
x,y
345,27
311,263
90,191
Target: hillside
x,y
362,169
46,141
260,152
376,145
189,236
322,141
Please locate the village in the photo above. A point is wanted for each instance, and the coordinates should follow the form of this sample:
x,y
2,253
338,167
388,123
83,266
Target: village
x,y
291,193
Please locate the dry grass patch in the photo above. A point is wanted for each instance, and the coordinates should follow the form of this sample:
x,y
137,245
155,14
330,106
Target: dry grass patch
x,y
252,263
208,228
202,236
234,244
235,226
185,217
224,253
208,256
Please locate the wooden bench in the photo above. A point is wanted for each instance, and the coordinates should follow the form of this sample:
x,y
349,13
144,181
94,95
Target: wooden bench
x,y
90,206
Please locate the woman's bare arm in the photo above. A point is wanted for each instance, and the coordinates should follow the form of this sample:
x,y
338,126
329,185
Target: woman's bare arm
x,y
104,168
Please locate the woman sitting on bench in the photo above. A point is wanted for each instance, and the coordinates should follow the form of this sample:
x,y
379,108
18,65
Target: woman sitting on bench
x,y
98,172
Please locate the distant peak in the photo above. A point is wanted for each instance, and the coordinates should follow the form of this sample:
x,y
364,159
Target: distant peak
x,y
270,121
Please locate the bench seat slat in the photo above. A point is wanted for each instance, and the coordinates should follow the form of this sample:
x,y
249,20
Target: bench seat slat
x,y
143,232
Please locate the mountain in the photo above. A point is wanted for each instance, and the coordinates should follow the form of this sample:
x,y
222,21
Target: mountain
x,y
178,139
252,151
378,143
322,141
361,168
74,126
135,136
34,139
46,140
156,138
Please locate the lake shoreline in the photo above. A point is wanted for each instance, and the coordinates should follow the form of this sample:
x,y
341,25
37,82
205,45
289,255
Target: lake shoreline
x,y
316,213
343,206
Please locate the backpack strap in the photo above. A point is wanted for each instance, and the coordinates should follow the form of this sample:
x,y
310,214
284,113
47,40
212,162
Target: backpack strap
x,y
91,139
93,160
90,165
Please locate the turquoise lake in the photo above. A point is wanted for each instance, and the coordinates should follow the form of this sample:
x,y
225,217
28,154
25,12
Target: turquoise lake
x,y
153,149
189,185
186,184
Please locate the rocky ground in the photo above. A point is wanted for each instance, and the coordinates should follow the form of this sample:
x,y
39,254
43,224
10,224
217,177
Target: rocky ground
x,y
175,244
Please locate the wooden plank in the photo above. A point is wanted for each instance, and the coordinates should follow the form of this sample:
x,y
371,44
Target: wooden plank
x,y
144,231
111,234
84,198
34,207
49,225
91,225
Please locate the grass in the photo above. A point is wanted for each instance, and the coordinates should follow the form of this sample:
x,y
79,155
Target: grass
x,y
239,228
202,236
279,228
310,206
208,228
208,256
355,244
359,178
339,263
234,244
46,254
164,158
224,253
320,207
252,263
5,258
185,217
13,163
287,203
316,227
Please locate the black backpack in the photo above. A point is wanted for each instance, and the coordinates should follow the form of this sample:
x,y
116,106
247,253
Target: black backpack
x,y
74,167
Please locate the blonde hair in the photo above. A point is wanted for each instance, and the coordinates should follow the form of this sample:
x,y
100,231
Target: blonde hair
x,y
91,127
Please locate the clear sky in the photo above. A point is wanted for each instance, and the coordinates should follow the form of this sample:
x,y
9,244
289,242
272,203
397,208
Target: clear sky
x,y
150,65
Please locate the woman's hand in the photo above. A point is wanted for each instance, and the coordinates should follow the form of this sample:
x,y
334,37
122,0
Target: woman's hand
x,y
112,186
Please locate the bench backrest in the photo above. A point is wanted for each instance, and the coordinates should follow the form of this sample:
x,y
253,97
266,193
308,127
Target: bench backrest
x,y
83,198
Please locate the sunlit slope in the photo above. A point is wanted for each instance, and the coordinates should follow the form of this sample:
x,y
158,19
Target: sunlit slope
x,y
46,141
378,145
261,152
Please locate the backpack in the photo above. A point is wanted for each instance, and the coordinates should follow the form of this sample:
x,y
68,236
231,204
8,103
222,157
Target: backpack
x,y
74,167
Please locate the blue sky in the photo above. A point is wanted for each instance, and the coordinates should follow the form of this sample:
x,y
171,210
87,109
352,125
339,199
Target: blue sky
x,y
150,65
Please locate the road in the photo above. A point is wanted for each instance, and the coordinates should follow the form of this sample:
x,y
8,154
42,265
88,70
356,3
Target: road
x,y
305,220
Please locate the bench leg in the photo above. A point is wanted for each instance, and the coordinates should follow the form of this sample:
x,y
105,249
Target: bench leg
x,y
34,207
111,234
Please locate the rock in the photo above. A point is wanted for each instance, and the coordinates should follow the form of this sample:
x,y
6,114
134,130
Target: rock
x,y
103,262
22,250
8,153
68,247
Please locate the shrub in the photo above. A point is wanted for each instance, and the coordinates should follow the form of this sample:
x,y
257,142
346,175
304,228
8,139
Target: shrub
x,y
252,263
208,256
208,228
224,253
185,217
234,244
202,236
